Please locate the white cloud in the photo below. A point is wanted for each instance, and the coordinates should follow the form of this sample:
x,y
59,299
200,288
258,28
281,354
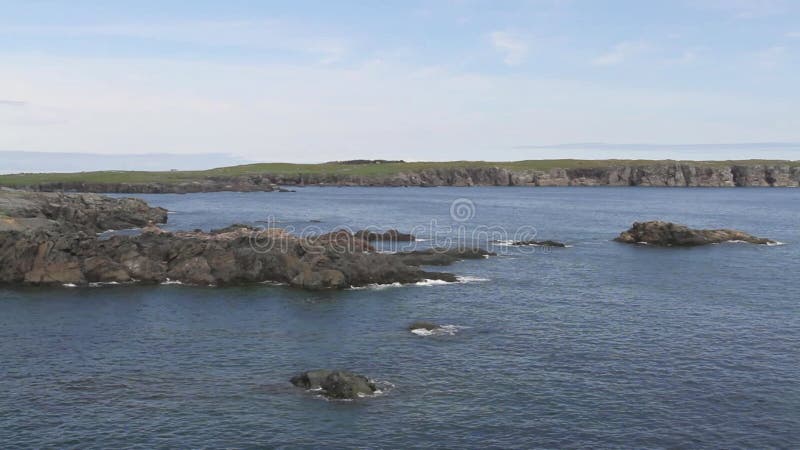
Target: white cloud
x,y
280,112
262,34
513,49
620,53
771,57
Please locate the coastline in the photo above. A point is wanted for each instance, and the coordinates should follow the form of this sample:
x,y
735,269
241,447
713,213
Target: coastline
x,y
544,173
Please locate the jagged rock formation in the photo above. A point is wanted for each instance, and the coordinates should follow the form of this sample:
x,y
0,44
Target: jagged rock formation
x,y
667,234
677,174
389,235
51,239
335,384
21,210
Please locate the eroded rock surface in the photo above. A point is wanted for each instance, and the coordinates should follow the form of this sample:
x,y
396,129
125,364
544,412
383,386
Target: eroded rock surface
x,y
668,234
62,247
335,384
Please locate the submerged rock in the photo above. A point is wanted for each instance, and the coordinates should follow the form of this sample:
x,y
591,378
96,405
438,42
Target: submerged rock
x,y
545,243
442,256
423,325
668,234
336,384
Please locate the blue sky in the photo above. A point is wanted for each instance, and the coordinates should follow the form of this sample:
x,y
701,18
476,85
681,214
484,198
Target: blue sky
x,y
419,80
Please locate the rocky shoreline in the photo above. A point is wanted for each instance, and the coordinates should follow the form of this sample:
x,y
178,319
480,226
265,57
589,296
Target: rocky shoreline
x,y
651,175
53,238
48,238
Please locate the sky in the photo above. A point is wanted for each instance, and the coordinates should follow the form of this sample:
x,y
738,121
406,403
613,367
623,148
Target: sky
x,y
312,81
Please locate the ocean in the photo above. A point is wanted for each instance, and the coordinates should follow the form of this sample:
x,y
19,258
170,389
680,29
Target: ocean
x,y
600,344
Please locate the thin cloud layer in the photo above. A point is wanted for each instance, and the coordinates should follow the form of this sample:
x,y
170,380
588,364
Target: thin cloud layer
x,y
448,81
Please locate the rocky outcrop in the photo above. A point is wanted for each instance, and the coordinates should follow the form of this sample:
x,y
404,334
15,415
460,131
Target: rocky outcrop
x,y
668,174
533,243
240,256
442,256
667,234
62,247
335,384
390,236
91,213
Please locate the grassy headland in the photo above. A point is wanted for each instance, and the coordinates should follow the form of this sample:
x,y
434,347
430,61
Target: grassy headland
x,y
367,169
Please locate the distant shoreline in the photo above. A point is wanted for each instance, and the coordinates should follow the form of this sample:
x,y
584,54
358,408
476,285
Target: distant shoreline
x,y
533,173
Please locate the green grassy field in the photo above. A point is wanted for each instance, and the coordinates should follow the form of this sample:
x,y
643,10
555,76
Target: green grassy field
x,y
374,170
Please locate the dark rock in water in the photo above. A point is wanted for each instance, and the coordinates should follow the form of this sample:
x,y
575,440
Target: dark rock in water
x,y
667,234
51,239
423,325
231,228
312,379
335,384
390,235
545,243
442,256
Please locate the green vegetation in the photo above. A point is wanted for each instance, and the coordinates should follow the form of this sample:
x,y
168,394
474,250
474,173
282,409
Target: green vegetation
x,y
373,170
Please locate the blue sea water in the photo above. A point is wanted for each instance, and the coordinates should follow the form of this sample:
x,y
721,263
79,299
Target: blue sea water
x,y
600,345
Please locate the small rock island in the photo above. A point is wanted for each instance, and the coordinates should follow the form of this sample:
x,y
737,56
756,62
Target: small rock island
x,y
668,234
335,384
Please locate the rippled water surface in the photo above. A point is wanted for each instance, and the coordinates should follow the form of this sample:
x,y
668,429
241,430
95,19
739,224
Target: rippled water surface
x,y
596,345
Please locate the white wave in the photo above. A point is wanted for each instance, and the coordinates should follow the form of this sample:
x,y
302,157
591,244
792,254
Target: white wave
x,y
643,243
168,281
449,330
69,285
375,286
506,243
421,240
103,283
768,244
427,282
381,388
431,282
470,279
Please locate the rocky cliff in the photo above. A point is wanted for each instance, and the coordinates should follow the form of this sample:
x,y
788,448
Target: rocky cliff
x,y
657,174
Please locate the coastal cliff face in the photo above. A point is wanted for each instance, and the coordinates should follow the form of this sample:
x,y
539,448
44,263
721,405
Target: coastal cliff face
x,y
664,175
